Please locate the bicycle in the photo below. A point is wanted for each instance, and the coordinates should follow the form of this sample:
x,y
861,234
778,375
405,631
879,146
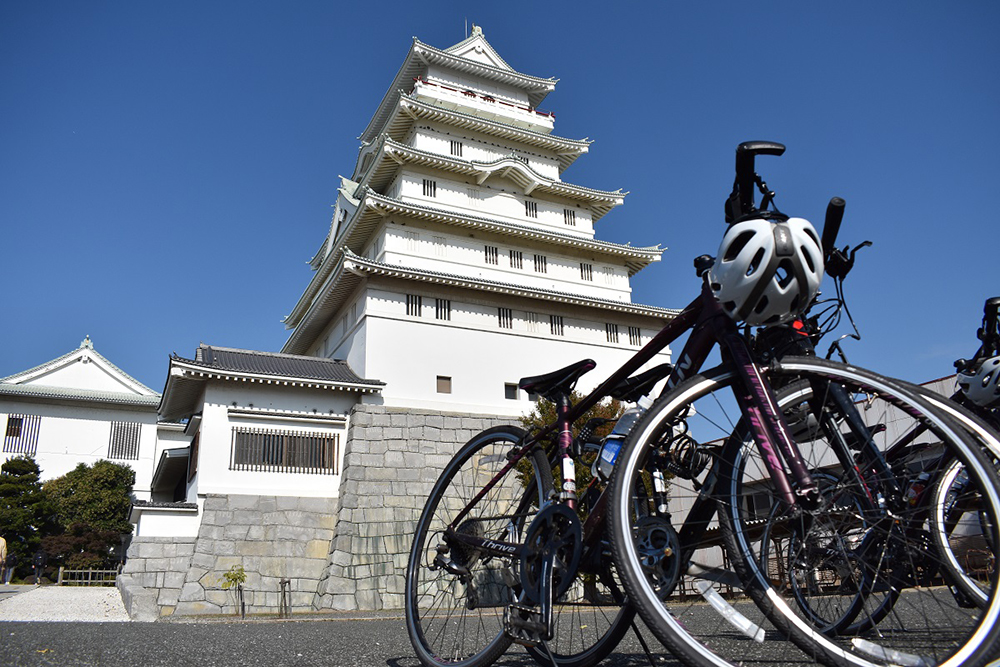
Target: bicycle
x,y
486,536
944,509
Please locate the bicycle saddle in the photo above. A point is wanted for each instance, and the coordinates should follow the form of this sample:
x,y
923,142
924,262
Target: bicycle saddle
x,y
562,381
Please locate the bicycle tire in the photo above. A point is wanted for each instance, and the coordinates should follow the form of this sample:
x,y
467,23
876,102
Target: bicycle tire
x,y
449,621
710,641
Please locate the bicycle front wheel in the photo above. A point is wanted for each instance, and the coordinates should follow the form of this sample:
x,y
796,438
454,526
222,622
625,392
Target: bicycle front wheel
x,y
699,421
457,595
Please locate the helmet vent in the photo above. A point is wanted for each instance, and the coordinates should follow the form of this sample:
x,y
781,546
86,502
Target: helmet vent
x,y
808,257
755,262
784,273
737,245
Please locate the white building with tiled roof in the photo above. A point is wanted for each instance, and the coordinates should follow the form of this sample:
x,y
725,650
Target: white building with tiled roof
x,y
81,408
458,259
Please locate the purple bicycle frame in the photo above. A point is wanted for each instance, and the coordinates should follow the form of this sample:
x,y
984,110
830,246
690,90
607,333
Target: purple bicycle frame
x,y
709,325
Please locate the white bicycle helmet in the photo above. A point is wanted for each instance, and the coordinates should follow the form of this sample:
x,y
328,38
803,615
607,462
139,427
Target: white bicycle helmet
x,y
982,384
767,272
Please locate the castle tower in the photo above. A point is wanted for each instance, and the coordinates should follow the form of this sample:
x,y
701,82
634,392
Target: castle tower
x,y
458,259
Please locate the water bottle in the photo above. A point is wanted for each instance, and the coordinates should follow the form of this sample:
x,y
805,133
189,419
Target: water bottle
x,y
605,462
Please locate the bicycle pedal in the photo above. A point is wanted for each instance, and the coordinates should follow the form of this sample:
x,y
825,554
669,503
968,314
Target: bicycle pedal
x,y
523,625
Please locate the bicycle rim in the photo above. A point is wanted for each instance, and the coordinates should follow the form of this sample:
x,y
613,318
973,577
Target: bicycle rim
x,y
456,597
694,630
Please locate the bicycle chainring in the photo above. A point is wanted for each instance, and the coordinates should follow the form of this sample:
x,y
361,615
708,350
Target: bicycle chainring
x,y
555,533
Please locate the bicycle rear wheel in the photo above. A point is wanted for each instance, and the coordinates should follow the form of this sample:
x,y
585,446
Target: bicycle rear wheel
x,y
456,595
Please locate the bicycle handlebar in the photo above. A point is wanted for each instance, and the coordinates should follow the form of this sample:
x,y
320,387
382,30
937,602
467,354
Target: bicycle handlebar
x,y
741,201
831,226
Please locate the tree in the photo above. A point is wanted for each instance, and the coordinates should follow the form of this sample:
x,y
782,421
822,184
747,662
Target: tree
x,y
92,505
26,512
99,496
544,413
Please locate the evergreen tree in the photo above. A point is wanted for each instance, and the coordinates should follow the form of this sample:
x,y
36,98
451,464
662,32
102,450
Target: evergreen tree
x,y
26,512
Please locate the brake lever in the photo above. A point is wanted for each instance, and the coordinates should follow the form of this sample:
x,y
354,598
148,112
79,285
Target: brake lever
x,y
842,261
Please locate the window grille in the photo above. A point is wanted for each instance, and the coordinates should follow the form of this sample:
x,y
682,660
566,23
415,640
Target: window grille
x,y
556,325
609,275
612,332
475,197
541,264
21,435
440,247
516,259
124,442
456,148
412,241
531,209
506,317
492,254
443,384
634,336
430,188
569,217
413,305
586,271
442,309
266,450
531,319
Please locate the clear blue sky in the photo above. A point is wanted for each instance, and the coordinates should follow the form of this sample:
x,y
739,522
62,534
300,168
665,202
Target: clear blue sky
x,y
167,168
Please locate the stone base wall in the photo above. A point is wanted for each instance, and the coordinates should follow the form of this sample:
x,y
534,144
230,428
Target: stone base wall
x,y
392,460
271,537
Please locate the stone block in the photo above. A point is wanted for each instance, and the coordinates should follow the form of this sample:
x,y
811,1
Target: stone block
x,y
191,592
196,608
241,502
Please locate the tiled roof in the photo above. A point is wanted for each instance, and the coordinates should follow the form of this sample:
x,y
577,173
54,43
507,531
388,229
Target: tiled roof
x,y
61,393
276,364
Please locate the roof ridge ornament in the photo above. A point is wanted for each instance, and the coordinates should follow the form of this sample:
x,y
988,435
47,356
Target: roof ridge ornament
x,y
87,343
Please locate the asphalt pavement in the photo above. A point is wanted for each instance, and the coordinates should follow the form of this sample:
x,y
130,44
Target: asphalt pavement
x,y
327,643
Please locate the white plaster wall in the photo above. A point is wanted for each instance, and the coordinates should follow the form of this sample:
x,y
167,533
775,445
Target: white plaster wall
x,y
478,357
445,252
477,147
215,437
168,523
495,198
72,434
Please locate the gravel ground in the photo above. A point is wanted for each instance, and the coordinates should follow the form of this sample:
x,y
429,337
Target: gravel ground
x,y
62,603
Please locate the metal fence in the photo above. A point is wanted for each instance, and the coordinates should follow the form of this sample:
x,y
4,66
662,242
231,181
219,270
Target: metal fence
x,y
87,577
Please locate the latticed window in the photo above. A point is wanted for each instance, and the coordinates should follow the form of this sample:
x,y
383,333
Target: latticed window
x,y
634,336
531,209
531,320
412,241
612,332
430,188
492,254
506,317
456,148
516,259
413,305
541,264
556,325
266,450
569,217
124,442
442,309
21,434
586,271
